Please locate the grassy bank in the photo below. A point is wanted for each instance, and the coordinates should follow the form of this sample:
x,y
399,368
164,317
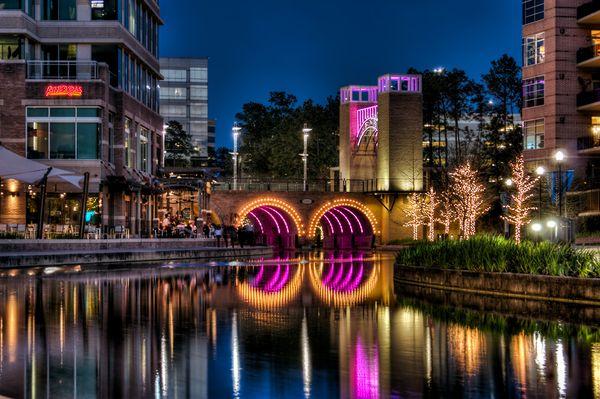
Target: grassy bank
x,y
496,254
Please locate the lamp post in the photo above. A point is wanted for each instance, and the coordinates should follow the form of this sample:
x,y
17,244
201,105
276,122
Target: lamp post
x,y
540,171
305,131
236,134
559,157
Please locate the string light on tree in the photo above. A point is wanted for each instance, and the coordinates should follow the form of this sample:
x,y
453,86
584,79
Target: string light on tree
x,y
414,213
447,212
469,192
429,208
518,210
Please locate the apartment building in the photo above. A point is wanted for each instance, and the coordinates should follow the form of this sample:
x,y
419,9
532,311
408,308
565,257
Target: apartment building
x,y
79,91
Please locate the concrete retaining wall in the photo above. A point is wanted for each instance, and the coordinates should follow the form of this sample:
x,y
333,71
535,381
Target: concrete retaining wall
x,y
545,288
22,253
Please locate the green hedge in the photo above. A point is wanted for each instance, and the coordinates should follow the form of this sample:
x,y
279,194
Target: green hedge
x,y
497,254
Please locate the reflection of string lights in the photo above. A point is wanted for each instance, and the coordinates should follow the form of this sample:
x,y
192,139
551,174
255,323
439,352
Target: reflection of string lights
x,y
467,347
342,298
259,298
276,203
366,371
347,203
596,369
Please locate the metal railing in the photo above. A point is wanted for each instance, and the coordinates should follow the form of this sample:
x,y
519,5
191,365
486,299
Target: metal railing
x,y
62,70
588,8
321,185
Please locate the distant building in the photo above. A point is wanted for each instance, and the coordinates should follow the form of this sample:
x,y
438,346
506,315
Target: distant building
x,y
561,91
184,98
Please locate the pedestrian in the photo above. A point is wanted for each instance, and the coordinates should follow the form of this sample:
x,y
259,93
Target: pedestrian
x,y
218,235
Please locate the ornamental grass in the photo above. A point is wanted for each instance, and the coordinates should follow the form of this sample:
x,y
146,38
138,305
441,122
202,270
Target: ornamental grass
x,y
496,254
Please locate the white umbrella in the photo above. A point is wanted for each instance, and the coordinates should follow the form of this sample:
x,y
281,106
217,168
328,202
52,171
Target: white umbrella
x,y
13,166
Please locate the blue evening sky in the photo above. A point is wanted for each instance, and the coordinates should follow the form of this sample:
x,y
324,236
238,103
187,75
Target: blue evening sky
x,y
312,47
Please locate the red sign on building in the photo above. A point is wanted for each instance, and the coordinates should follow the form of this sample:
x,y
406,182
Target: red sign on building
x,y
64,90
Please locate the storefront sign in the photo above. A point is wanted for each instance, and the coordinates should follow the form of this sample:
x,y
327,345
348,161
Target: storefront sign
x,y
64,91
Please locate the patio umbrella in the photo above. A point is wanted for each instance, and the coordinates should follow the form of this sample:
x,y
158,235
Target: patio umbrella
x,y
14,166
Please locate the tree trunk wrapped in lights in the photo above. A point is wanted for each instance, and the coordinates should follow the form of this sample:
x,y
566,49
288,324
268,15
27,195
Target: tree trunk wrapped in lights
x,y
414,213
429,207
447,212
469,194
518,210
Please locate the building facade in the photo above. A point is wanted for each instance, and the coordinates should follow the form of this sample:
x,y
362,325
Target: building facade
x,y
561,93
79,91
184,98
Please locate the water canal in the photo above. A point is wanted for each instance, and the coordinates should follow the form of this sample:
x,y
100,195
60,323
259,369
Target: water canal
x,y
322,326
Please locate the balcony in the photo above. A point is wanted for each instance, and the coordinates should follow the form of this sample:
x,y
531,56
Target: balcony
x,y
589,144
589,100
589,57
62,70
589,13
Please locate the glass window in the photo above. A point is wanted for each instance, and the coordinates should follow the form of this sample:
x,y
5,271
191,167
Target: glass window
x,y
62,141
111,137
88,112
173,93
127,142
175,75
132,20
534,50
199,93
198,74
63,10
37,140
533,92
533,10
198,128
199,110
533,132
174,110
11,48
62,112
104,9
11,5
88,135
41,112
144,144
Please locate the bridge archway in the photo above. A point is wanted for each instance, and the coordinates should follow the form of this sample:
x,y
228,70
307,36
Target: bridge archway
x,y
344,224
274,222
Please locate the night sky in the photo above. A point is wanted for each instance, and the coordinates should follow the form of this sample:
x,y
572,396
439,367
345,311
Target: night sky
x,y
312,47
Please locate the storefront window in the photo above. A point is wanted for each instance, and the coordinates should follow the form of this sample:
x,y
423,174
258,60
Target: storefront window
x,y
63,133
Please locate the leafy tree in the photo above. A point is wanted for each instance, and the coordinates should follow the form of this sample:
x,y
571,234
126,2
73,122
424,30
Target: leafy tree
x,y
271,138
178,145
222,160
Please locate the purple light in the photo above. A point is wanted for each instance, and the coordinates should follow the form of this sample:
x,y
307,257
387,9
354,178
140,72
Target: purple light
x,y
273,280
259,277
345,217
366,372
346,280
265,210
283,281
258,220
338,277
356,282
329,275
287,227
360,225
330,224
338,220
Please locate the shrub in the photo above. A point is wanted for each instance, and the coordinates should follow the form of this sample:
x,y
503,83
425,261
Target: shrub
x,y
497,254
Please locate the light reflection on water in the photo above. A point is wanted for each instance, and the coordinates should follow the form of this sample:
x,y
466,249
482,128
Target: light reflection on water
x,y
323,327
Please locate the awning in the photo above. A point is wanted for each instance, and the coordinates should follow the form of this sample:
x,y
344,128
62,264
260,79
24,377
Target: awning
x,y
13,166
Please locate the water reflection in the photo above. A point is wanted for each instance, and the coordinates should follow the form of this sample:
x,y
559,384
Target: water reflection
x,y
322,327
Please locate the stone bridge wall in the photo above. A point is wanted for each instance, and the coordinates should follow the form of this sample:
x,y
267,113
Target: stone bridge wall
x,y
228,204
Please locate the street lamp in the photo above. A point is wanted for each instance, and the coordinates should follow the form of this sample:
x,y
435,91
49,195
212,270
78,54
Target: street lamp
x,y
537,227
305,131
236,134
559,157
540,171
508,182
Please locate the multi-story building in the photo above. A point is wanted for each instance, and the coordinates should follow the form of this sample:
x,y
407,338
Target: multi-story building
x,y
561,91
79,91
184,98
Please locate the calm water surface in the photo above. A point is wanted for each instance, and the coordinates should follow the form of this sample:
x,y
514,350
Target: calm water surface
x,y
323,327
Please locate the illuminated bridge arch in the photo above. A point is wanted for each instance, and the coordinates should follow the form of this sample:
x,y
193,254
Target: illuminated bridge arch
x,y
274,221
368,132
344,224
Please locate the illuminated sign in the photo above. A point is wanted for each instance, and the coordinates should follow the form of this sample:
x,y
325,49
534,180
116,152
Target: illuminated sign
x,y
64,91
97,3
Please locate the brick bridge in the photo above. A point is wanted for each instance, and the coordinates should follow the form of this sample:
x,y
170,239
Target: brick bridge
x,y
338,219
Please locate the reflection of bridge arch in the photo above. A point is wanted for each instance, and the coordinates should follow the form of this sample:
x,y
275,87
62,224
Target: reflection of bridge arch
x,y
345,223
274,220
273,286
343,284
